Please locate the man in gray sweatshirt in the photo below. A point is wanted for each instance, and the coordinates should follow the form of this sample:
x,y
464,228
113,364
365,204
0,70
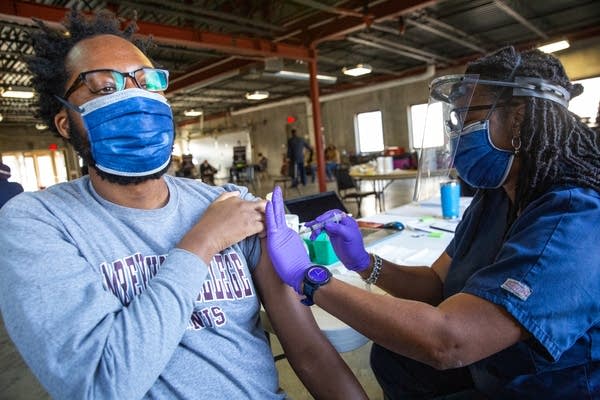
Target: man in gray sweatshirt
x,y
128,283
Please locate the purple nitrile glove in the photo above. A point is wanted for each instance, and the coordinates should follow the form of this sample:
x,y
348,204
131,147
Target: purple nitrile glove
x,y
345,237
286,248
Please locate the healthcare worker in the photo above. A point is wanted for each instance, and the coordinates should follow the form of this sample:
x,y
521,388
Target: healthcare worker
x,y
511,309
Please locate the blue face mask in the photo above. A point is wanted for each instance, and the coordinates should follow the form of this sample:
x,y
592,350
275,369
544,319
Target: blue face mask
x,y
478,162
130,132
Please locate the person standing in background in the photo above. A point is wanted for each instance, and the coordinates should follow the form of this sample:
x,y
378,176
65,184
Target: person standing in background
x,y
8,189
295,154
332,160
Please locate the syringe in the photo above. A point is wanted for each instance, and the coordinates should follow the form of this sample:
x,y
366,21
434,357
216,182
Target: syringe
x,y
337,217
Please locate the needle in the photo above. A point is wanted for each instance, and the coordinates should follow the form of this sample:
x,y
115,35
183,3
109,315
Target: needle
x,y
319,225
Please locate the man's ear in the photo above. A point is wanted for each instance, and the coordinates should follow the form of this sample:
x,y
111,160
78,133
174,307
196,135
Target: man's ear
x,y
61,121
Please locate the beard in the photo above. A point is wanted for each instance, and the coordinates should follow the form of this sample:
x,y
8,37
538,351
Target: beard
x,y
79,141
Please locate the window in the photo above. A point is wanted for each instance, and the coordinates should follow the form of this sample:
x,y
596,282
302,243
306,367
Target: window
x,y
368,129
426,118
36,169
586,104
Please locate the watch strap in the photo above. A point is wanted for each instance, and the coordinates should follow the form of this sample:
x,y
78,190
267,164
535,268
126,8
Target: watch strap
x,y
310,286
308,299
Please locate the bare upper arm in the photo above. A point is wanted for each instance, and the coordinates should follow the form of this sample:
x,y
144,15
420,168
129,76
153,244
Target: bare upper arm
x,y
316,362
291,320
476,328
471,328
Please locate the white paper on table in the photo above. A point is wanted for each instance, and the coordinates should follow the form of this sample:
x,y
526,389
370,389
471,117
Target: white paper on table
x,y
380,218
405,255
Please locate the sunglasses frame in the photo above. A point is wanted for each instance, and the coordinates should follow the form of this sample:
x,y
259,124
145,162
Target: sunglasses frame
x,y
81,78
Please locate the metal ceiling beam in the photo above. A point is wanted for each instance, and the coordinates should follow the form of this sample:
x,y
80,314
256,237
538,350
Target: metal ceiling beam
x,y
194,13
230,44
26,11
217,14
194,38
330,9
445,35
450,29
384,10
386,47
422,53
520,19
201,77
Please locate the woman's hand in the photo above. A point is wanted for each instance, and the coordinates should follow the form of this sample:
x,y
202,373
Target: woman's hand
x,y
345,237
285,247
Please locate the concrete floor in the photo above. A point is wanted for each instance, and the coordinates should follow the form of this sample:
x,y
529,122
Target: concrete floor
x,y
18,383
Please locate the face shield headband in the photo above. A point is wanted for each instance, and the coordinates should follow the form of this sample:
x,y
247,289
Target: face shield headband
x,y
450,101
522,86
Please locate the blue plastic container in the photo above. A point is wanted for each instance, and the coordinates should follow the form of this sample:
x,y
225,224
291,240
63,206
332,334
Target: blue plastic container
x,y
450,192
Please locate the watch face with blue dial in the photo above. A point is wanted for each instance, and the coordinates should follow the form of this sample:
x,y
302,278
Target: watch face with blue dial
x,y
314,277
318,274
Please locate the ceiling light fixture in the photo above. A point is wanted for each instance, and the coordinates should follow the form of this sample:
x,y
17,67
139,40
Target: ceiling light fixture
x,y
555,46
357,70
41,127
18,92
257,95
1,117
192,113
305,76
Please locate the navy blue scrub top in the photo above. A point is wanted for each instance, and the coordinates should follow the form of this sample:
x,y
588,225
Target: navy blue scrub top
x,y
545,271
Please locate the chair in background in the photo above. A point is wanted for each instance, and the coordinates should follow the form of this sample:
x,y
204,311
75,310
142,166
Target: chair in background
x,y
247,177
349,191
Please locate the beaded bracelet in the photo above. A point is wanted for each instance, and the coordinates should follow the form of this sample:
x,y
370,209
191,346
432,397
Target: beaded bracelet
x,y
377,264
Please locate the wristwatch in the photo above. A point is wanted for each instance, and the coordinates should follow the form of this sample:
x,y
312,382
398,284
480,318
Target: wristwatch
x,y
314,277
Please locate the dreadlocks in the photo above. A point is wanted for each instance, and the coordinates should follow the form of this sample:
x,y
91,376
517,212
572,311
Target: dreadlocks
x,y
557,148
52,46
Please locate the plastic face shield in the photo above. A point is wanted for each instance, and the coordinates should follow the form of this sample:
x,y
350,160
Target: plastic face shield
x,y
449,100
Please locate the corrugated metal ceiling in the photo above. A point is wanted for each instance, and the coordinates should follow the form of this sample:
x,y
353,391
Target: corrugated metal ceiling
x,y
441,33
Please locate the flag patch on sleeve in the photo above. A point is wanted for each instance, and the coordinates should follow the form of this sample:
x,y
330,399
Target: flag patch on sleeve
x,y
519,289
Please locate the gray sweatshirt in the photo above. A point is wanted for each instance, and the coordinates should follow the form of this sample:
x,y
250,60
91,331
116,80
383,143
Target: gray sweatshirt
x,y
101,305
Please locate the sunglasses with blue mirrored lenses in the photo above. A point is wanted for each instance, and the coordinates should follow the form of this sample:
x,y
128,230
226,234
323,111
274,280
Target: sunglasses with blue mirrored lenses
x,y
107,81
